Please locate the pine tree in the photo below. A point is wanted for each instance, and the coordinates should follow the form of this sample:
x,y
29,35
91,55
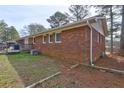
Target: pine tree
x,y
112,14
58,19
122,33
79,12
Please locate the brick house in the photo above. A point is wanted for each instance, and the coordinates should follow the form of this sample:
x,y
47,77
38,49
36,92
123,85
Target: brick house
x,y
82,41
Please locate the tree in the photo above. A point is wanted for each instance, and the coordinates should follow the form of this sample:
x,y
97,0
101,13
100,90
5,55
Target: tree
x,y
79,12
122,33
33,28
111,28
3,30
111,12
58,19
12,33
7,33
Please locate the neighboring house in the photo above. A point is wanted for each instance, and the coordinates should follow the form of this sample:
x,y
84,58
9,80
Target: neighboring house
x,y
82,42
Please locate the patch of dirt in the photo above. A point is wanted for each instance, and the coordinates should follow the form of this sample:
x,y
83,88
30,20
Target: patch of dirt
x,y
111,61
83,77
0,65
86,77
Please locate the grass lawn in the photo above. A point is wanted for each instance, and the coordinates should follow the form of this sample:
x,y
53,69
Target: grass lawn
x,y
23,69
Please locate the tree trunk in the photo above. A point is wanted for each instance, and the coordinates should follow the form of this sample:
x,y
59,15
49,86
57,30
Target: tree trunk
x,y
122,33
111,30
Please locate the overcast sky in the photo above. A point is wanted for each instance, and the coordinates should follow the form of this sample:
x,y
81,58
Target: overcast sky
x,y
19,16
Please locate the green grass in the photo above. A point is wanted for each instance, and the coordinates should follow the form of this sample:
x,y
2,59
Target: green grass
x,y
23,69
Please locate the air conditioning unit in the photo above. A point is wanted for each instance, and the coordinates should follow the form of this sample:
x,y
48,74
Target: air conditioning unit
x,y
34,52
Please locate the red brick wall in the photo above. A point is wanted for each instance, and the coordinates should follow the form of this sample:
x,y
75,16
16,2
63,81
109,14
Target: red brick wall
x,y
38,42
98,47
71,47
75,46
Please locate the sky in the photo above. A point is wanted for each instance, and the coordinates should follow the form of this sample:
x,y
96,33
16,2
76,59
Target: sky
x,y
21,15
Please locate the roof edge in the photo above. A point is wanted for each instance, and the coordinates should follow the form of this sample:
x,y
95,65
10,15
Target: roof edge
x,y
81,23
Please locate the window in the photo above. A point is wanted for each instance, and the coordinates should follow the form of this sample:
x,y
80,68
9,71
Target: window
x,y
98,38
51,38
44,39
33,40
58,38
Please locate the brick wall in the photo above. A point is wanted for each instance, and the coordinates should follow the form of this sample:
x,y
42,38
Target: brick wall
x,y
75,46
38,43
70,49
98,45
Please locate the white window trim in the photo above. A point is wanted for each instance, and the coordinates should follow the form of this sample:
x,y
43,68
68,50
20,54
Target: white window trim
x,y
33,40
56,38
43,40
50,38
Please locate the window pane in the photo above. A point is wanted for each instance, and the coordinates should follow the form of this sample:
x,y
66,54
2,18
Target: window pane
x,y
45,38
58,36
52,38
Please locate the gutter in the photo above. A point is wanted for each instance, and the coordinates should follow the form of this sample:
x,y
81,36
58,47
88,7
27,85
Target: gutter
x,y
91,43
100,17
91,40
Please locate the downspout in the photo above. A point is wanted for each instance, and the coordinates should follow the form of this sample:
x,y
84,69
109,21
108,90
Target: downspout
x,y
91,43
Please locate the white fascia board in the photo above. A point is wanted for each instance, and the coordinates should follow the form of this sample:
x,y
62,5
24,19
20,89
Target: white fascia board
x,y
100,18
